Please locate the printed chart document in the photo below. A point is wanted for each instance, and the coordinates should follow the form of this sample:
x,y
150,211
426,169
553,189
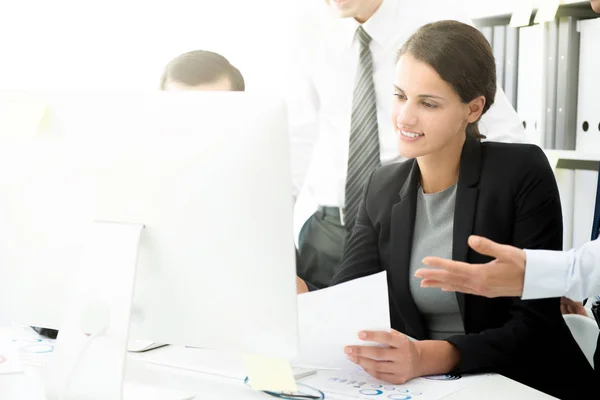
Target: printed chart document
x,y
10,362
358,385
330,319
32,348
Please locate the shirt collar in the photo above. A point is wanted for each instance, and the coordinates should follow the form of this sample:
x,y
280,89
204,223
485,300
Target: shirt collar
x,y
381,26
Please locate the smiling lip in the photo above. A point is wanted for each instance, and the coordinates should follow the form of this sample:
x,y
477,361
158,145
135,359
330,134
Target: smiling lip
x,y
410,136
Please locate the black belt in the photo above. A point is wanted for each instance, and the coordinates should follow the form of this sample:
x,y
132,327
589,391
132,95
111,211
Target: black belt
x,y
335,212
596,312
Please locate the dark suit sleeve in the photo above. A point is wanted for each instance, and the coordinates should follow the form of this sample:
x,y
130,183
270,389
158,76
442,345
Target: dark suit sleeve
x,y
361,256
532,324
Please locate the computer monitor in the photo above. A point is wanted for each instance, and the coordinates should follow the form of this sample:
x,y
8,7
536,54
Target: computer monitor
x,y
207,174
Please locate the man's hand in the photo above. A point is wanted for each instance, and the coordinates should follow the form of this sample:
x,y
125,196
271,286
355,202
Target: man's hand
x,y
301,286
503,276
568,306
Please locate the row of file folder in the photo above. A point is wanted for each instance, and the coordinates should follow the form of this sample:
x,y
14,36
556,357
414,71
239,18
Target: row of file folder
x,y
549,73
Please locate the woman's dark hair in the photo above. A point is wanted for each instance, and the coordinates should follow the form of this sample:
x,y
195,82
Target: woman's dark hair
x,y
462,56
200,66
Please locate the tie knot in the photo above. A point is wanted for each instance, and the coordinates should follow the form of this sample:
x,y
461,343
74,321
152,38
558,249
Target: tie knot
x,y
363,36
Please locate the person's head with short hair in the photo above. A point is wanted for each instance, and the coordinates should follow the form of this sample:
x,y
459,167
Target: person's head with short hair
x,y
201,70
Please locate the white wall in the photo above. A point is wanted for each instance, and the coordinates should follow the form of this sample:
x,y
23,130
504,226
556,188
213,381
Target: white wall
x,y
78,44
124,44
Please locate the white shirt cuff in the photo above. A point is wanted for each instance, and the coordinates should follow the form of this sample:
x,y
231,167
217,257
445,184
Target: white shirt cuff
x,y
545,274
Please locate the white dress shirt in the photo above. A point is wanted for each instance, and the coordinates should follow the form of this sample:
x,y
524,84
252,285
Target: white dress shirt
x,y
320,101
574,274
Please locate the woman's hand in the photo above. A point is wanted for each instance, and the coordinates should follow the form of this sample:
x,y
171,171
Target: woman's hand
x,y
401,358
395,363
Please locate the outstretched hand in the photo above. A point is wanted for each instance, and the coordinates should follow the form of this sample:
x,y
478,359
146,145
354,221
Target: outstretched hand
x,y
503,276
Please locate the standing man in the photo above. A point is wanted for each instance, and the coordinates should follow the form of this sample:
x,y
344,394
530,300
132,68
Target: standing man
x,y
340,118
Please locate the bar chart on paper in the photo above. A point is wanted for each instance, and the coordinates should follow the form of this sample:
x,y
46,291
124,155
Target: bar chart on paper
x,y
357,384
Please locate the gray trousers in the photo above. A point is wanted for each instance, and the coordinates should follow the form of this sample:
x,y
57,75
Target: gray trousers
x,y
321,245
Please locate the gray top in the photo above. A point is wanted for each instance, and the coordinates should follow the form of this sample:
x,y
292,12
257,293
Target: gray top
x,y
433,237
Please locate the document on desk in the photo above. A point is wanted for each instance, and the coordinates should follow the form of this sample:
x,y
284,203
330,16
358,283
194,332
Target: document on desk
x,y
33,349
358,385
330,319
10,361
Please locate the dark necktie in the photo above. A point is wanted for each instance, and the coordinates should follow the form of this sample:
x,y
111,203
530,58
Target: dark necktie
x,y
363,151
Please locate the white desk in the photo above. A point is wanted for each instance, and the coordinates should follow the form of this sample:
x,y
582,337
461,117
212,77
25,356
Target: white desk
x,y
495,387
204,386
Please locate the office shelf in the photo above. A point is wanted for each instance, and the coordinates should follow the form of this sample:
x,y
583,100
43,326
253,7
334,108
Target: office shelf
x,y
568,159
485,9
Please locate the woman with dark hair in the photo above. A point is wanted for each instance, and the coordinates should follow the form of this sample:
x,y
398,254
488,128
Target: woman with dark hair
x,y
452,186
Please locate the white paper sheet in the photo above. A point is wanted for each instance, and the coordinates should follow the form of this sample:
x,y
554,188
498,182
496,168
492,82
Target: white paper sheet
x,y
33,349
358,385
10,362
330,319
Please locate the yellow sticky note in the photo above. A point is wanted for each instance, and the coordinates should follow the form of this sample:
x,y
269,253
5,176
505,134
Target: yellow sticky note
x,y
547,11
265,373
20,116
522,13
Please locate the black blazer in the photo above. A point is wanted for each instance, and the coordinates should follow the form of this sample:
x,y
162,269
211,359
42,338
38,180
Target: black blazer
x,y
508,193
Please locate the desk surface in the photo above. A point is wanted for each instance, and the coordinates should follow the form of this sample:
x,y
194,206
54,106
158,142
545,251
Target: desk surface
x,y
494,387
203,385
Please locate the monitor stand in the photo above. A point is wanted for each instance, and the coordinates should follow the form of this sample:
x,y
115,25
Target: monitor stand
x,y
89,360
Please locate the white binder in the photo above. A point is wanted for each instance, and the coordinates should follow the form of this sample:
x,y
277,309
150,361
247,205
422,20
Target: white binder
x,y
488,33
567,83
511,65
499,49
530,99
588,99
